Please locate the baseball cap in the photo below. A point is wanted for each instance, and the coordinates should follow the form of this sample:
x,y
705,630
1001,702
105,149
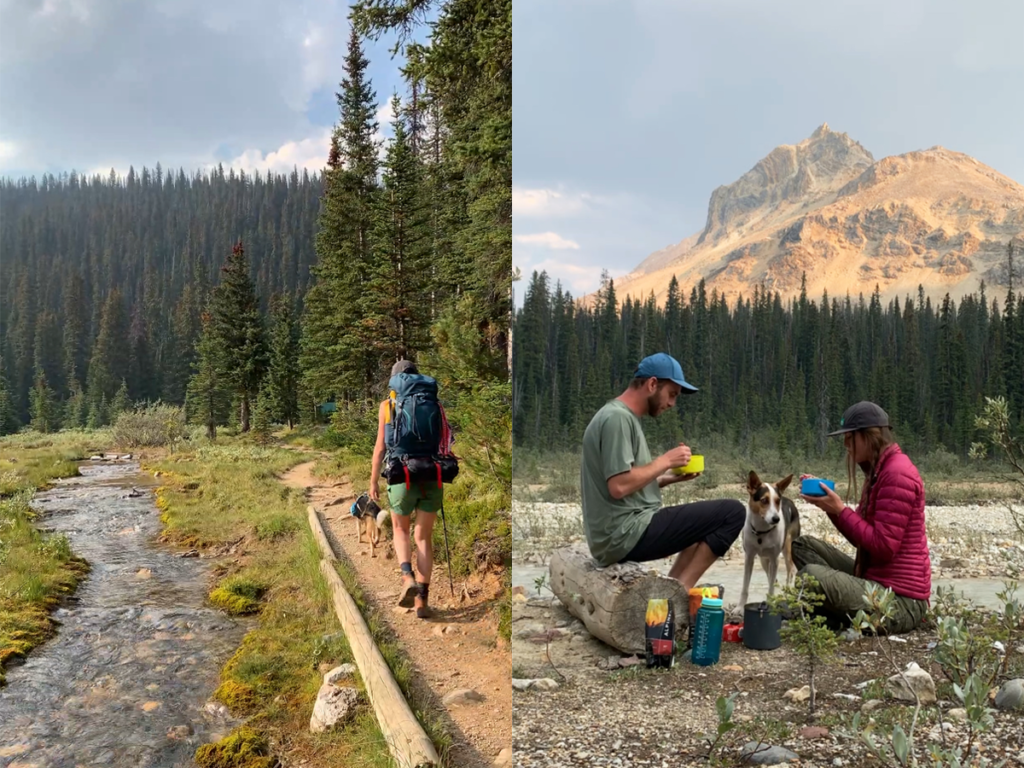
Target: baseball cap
x,y
403,366
861,416
663,366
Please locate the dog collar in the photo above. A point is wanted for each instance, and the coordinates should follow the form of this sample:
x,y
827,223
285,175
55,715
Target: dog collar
x,y
769,529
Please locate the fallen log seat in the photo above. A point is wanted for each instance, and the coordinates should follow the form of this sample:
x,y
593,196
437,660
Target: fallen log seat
x,y
612,602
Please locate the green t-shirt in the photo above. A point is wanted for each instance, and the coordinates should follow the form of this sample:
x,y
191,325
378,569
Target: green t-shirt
x,y
613,443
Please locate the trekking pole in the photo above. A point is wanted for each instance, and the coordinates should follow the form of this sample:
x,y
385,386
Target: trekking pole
x,y
447,556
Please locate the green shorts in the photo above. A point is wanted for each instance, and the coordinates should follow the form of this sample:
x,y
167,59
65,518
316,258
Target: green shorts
x,y
426,497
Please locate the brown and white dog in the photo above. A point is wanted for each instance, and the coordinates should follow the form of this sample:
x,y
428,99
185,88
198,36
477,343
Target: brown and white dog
x,y
365,511
772,524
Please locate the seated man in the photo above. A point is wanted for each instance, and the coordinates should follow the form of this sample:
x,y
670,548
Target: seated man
x,y
621,485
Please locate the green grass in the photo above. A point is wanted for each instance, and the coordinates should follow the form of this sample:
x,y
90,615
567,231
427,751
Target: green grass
x,y
553,476
36,570
228,493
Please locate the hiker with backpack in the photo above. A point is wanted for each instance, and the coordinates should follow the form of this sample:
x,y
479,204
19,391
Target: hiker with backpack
x,y
413,454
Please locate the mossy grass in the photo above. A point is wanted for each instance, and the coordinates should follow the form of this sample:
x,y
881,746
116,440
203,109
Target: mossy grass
x,y
37,570
226,497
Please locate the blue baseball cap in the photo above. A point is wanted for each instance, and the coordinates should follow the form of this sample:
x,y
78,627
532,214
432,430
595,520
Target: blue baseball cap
x,y
663,366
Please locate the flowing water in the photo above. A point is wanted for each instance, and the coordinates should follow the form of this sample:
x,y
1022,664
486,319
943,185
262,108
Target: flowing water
x,y
127,679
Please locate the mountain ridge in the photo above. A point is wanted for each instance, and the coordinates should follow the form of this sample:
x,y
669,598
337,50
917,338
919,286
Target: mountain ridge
x,y
825,207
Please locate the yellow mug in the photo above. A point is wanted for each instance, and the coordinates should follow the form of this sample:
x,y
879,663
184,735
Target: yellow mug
x,y
696,465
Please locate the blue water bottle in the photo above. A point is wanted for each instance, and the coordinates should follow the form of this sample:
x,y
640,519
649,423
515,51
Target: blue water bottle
x,y
707,633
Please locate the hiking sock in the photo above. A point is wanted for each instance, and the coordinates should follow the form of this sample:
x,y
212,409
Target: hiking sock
x,y
406,569
423,590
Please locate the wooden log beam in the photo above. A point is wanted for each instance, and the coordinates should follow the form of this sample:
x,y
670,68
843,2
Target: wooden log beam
x,y
409,744
612,602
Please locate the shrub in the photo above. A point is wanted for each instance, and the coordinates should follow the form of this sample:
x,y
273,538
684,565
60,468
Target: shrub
x,y
152,425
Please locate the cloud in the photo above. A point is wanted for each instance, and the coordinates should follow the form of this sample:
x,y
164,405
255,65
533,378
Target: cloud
x,y
577,279
548,203
88,83
8,151
550,240
310,153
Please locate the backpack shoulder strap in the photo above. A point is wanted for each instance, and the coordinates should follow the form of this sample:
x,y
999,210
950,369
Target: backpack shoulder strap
x,y
389,415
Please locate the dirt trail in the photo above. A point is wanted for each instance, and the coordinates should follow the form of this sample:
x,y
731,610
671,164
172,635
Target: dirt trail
x,y
454,650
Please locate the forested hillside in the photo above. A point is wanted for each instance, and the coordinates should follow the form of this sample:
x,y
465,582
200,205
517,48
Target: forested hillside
x,y
193,288
764,366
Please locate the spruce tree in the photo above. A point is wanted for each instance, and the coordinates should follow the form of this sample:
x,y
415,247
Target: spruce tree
x,y
282,384
334,356
76,407
8,413
44,406
208,396
395,299
239,329
261,419
109,363
122,402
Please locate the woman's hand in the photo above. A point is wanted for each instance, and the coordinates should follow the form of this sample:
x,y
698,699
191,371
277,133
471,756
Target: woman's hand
x,y
375,490
829,503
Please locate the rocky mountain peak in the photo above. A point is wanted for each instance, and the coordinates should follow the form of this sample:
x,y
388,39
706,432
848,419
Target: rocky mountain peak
x,y
810,171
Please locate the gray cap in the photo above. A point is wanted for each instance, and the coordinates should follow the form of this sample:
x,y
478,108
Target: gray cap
x,y
862,415
403,366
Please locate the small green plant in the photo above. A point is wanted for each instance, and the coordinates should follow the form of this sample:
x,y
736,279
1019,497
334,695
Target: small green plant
x,y
972,648
807,632
994,421
723,708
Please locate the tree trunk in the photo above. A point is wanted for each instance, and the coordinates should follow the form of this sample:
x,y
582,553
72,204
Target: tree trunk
x,y
612,602
245,412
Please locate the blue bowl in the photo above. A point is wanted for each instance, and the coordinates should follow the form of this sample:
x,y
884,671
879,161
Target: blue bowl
x,y
811,487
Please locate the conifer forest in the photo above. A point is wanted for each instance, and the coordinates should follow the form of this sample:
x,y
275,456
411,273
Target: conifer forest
x,y
232,292
785,369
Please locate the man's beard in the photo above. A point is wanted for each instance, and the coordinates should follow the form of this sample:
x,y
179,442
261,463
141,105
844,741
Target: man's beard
x,y
653,406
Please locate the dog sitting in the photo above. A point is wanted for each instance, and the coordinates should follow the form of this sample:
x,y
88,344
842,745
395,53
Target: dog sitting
x,y
772,523
365,511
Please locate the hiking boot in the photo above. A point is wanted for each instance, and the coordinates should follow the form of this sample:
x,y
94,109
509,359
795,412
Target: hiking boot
x,y
423,610
409,592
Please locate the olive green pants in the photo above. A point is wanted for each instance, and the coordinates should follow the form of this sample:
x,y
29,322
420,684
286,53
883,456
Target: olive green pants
x,y
844,592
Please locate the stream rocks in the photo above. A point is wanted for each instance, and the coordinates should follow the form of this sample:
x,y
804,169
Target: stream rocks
x,y
914,679
1011,694
335,703
763,754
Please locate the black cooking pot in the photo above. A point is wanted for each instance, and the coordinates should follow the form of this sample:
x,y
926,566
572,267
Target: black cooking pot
x,y
761,627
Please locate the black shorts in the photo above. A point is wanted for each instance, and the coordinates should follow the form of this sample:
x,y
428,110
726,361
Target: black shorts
x,y
672,529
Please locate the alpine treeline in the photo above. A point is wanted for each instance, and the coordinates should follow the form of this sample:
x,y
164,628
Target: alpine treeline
x,y
782,370
235,294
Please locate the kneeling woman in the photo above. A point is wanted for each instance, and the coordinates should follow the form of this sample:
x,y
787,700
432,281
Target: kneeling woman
x,y
887,528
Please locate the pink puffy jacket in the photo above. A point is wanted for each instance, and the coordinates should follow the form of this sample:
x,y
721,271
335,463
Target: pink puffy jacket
x,y
888,528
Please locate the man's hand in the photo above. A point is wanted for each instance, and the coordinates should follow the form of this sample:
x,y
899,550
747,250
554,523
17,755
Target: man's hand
x,y
677,457
670,477
375,490
830,503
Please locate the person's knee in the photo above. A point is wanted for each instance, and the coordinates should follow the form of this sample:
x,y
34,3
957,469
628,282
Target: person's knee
x,y
735,514
400,522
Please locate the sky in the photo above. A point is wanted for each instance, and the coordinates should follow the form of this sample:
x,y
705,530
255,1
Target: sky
x,y
627,114
91,85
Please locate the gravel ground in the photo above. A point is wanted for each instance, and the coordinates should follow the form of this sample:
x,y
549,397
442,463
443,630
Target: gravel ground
x,y
602,714
972,541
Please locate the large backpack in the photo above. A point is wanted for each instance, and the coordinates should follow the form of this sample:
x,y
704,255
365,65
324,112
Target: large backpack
x,y
417,438
415,425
